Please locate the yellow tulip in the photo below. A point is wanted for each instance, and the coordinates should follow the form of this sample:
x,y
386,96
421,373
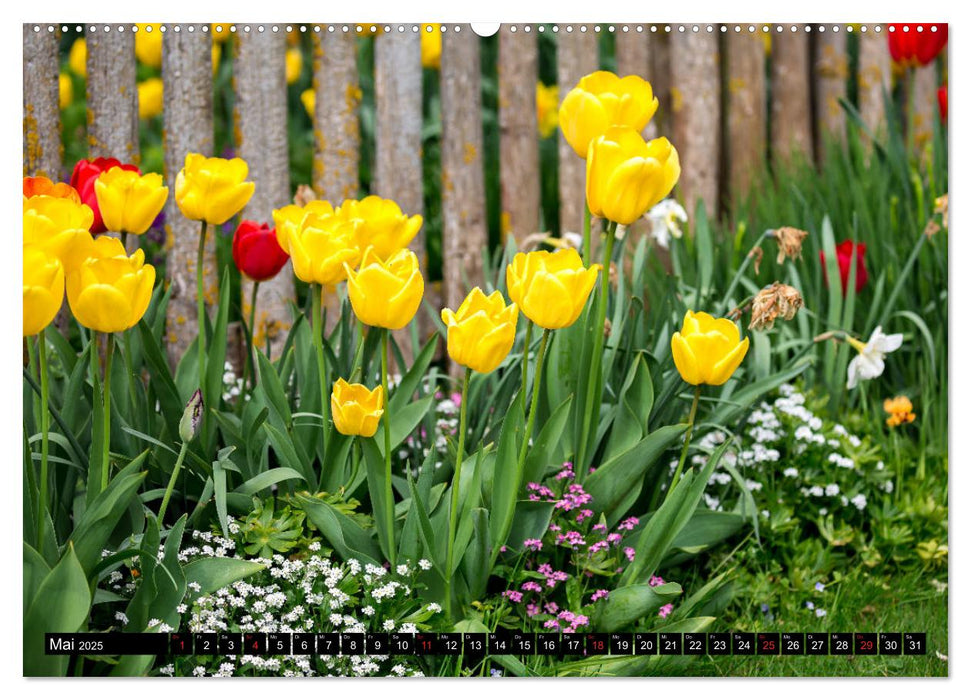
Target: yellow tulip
x,y
129,202
602,100
150,98
547,118
60,226
212,189
431,46
321,247
294,63
148,44
77,58
386,293
110,291
220,32
309,99
356,409
550,288
482,331
626,176
382,224
43,289
707,350
65,90
287,219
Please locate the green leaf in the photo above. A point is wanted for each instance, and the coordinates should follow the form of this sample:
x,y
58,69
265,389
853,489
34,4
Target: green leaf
x,y
162,383
633,409
219,468
286,450
530,523
618,482
61,603
270,389
343,533
376,482
547,443
435,548
213,573
35,571
410,382
477,559
625,605
505,482
740,400
403,422
267,479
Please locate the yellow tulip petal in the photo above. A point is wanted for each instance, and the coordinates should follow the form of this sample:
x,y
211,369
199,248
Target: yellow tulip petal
x,y
726,367
685,361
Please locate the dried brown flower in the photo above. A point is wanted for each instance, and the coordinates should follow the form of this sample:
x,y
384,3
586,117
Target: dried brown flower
x,y
304,195
756,255
790,242
774,301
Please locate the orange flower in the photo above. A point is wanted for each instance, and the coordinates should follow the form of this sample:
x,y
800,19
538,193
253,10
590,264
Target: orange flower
x,y
901,411
42,186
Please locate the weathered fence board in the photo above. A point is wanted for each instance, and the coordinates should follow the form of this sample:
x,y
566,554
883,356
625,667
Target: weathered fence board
x,y
830,71
923,108
463,191
576,56
519,177
746,105
791,121
261,118
873,77
112,93
696,115
188,128
634,58
42,115
337,133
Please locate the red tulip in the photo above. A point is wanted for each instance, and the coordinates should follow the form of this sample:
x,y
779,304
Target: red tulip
x,y
85,174
844,257
256,251
942,101
916,44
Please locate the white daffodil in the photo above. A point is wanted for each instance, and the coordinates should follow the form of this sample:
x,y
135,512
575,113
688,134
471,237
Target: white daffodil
x,y
664,218
868,364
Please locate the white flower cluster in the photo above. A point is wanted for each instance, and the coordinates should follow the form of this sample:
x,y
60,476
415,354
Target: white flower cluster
x,y
232,385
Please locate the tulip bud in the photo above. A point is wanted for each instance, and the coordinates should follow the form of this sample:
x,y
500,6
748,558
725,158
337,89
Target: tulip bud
x,y
356,409
707,349
191,417
481,333
790,242
550,288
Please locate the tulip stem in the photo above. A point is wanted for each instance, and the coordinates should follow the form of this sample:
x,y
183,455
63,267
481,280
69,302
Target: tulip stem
x,y
318,330
587,243
741,268
388,493
456,480
251,327
358,369
594,380
106,403
44,428
687,440
201,308
171,486
529,337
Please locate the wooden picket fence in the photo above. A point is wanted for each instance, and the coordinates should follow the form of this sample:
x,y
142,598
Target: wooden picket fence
x,y
729,106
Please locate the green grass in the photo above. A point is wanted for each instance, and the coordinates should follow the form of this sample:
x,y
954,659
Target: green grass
x,y
862,602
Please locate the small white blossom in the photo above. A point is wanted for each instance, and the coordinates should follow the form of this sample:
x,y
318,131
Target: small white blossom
x,y
869,362
665,218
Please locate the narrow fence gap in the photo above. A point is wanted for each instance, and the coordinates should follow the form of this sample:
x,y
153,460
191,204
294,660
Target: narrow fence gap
x,y
261,119
696,116
464,233
519,176
746,105
42,114
791,114
398,165
187,128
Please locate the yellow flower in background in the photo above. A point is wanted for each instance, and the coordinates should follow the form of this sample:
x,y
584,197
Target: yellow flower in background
x,y
602,100
43,289
550,288
59,226
309,99
386,293
482,331
220,32
707,350
149,98
321,247
901,411
130,202
547,115
431,46
626,176
217,52
212,189
77,58
287,219
356,409
65,90
294,61
148,44
109,291
382,225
